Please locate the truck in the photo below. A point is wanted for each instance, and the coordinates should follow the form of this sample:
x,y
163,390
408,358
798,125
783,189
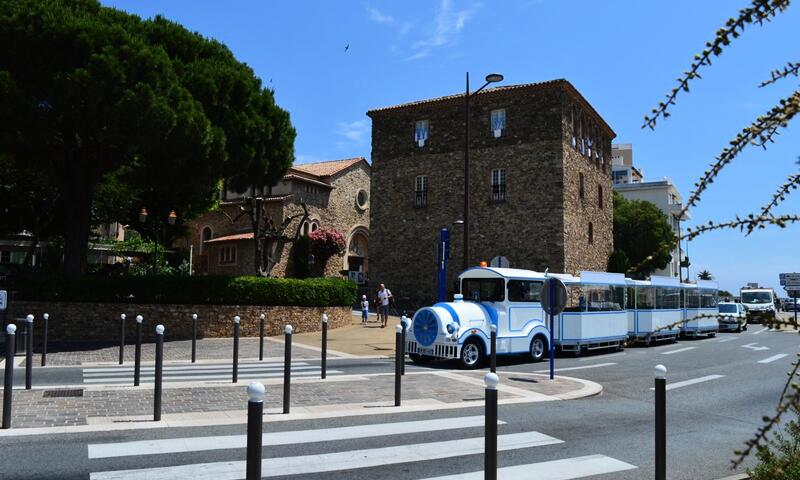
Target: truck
x,y
759,303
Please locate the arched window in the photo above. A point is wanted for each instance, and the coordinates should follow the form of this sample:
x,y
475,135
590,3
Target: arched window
x,y
314,225
591,233
306,228
205,235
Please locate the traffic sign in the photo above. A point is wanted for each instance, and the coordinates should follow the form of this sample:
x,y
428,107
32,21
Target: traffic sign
x,y
792,288
554,299
3,299
790,279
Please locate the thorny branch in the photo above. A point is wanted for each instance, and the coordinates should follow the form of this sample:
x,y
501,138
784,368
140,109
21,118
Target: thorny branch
x,y
789,69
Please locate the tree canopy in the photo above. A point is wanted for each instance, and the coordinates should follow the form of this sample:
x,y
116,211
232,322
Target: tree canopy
x,y
643,239
114,113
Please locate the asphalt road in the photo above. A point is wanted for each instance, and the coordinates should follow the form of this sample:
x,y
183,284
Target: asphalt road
x,y
719,389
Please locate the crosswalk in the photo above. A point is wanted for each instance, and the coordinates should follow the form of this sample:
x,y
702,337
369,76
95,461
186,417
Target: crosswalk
x,y
160,454
199,372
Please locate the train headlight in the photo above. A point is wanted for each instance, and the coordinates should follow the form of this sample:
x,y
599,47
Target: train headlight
x,y
452,328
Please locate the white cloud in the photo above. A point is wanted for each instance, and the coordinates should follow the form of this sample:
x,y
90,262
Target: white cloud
x,y
300,159
356,133
377,16
447,25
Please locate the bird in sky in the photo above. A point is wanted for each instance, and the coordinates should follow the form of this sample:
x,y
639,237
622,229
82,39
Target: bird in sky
x,y
347,47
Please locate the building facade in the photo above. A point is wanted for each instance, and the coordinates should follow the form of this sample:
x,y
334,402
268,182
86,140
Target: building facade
x,y
540,185
337,195
630,183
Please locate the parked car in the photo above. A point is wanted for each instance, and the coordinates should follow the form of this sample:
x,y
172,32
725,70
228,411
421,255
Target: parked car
x,y
789,305
733,316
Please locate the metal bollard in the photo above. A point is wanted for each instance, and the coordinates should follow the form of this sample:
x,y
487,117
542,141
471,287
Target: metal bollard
x,y
122,338
404,322
255,422
236,321
46,318
137,361
490,429
661,422
8,385
287,367
324,365
261,337
493,357
194,337
159,372
398,359
29,353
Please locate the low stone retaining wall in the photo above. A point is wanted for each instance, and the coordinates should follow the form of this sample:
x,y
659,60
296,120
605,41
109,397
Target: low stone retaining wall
x,y
71,322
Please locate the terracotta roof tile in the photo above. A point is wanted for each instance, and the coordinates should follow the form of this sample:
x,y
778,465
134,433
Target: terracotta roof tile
x,y
328,168
232,238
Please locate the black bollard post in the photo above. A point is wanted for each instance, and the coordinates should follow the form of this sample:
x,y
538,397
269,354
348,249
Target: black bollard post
x,y
255,422
404,322
661,422
261,337
122,338
194,337
46,318
236,321
287,367
493,357
398,359
159,372
8,385
490,429
137,360
324,365
29,353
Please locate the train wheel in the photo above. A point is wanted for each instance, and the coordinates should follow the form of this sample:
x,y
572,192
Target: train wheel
x,y
417,358
538,348
472,355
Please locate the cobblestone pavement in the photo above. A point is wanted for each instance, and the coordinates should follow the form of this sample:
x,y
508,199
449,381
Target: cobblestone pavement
x,y
207,349
32,409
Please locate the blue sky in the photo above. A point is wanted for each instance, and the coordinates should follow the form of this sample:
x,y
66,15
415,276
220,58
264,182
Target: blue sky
x,y
623,56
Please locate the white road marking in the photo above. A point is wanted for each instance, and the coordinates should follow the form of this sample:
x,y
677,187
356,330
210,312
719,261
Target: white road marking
x,y
150,378
196,366
331,462
755,349
685,349
196,444
565,469
227,368
729,339
598,357
597,365
761,331
686,383
773,358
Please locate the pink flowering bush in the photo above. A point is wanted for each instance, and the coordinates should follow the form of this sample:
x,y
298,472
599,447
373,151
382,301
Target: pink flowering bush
x,y
326,242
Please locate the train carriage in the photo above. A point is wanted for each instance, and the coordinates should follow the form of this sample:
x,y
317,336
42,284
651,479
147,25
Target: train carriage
x,y
654,309
700,310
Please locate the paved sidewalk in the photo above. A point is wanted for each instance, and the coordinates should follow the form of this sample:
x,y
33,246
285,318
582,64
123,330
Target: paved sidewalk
x,y
357,339
114,405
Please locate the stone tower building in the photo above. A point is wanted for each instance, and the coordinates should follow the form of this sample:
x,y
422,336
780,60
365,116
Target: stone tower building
x,y
540,185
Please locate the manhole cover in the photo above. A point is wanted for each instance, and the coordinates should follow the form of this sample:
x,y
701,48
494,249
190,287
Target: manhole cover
x,y
63,393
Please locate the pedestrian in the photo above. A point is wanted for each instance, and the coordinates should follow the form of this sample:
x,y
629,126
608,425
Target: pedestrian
x,y
364,309
384,298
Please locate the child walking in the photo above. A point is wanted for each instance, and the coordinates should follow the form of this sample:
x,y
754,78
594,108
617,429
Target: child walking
x,y
364,309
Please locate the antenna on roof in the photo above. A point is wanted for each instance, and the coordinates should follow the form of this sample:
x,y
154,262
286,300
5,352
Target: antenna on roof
x,y
545,270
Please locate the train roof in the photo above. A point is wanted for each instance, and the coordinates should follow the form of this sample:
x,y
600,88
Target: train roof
x,y
585,277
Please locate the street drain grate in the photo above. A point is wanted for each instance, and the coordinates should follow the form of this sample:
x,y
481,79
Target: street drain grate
x,y
63,393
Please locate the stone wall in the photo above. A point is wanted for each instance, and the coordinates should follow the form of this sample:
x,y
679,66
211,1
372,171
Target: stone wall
x,y
537,227
70,322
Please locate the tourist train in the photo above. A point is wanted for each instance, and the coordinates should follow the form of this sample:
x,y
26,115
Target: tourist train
x,y
603,310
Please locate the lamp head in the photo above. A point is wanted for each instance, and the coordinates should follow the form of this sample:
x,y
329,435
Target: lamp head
x,y
494,78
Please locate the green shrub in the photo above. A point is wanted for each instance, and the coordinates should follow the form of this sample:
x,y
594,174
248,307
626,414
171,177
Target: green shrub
x,y
780,459
213,290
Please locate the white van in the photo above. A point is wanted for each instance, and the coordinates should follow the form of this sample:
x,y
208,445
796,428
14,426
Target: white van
x,y
732,316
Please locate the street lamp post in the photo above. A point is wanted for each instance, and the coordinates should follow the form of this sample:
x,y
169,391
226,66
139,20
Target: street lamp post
x,y
158,230
491,78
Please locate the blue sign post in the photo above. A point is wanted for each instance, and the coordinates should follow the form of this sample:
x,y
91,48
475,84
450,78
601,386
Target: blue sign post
x,y
442,255
554,299
552,342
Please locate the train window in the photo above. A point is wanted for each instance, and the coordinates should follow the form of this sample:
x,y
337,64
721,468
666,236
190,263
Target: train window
x,y
631,298
708,298
604,298
524,291
645,298
484,289
667,298
692,298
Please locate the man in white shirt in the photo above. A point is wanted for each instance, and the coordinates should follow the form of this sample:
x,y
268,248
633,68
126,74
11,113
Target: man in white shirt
x,y
383,305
